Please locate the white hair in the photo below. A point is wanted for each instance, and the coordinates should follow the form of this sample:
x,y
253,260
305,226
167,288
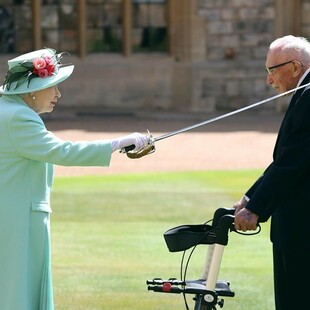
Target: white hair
x,y
298,47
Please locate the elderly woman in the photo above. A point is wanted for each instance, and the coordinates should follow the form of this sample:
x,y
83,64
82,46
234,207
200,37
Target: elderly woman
x,y
27,154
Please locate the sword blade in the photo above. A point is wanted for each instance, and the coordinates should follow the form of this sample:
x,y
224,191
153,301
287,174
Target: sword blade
x,y
217,118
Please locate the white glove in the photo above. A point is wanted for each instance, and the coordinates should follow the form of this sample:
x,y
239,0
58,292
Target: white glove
x,y
139,140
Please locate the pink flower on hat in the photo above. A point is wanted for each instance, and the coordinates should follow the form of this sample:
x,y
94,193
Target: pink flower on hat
x,y
42,73
39,63
50,69
48,60
43,66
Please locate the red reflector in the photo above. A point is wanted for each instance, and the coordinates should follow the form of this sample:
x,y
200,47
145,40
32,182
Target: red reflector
x,y
167,287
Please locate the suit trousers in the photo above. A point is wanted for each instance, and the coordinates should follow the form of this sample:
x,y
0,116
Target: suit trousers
x,y
291,278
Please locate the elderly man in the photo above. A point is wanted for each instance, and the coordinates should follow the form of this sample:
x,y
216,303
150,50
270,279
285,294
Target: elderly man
x,y
283,191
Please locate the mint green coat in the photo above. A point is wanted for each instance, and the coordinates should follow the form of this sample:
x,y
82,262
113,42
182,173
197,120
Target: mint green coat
x,y
27,154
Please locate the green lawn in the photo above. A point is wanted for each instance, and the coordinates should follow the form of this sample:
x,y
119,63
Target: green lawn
x,y
107,240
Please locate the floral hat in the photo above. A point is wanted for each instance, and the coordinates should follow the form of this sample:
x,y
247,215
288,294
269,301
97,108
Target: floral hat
x,y
35,71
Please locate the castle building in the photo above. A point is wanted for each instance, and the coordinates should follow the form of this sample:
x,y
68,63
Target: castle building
x,y
190,56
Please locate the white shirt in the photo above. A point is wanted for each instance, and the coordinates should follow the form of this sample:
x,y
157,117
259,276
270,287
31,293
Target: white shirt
x,y
303,76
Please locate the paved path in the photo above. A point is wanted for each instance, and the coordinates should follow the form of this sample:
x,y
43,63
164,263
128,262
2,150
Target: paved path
x,y
239,142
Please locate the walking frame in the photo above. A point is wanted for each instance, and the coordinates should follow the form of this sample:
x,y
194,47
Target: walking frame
x,y
208,291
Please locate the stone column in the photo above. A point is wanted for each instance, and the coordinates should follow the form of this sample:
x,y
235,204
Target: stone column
x,y
36,26
288,17
127,27
187,36
82,28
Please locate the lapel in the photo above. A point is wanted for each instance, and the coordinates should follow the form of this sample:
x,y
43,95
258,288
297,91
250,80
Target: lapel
x,y
300,91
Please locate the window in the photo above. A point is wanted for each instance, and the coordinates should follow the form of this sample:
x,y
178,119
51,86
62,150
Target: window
x,y
59,25
15,26
104,26
149,26
84,26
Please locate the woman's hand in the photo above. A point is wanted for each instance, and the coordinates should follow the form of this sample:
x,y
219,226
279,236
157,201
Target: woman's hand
x,y
139,140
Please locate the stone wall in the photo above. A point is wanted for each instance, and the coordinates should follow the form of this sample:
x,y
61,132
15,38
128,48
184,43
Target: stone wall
x,y
238,33
114,82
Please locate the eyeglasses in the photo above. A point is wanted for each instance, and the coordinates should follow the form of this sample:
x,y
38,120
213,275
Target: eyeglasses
x,y
269,69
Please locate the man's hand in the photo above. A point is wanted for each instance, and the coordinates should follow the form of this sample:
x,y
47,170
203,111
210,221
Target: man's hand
x,y
245,220
240,204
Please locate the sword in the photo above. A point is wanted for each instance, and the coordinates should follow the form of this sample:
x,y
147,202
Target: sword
x,y
151,148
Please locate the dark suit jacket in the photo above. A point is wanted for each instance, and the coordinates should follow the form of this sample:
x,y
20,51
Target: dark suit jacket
x,y
283,191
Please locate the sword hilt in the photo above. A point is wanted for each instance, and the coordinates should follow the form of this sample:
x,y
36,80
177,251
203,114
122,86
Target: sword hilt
x,y
128,148
147,150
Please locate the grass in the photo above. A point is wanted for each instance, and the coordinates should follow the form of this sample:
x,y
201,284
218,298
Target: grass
x,y
107,240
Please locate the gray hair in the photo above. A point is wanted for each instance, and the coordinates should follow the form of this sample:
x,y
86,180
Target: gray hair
x,y
298,47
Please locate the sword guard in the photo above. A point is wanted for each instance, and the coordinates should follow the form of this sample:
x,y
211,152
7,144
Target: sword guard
x,y
146,151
